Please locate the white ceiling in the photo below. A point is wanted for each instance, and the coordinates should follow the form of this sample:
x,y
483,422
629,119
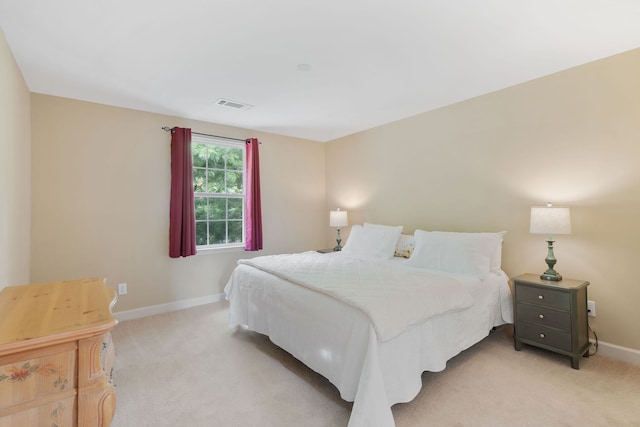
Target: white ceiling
x,y
372,61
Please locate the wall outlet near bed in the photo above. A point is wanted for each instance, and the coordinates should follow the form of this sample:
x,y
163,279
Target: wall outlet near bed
x,y
122,288
591,308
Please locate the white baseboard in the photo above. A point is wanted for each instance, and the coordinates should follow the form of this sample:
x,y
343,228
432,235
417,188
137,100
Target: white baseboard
x,y
165,308
624,354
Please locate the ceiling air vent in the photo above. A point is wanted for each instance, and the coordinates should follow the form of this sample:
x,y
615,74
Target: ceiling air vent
x,y
233,104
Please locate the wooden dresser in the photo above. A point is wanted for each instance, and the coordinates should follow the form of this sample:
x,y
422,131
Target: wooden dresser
x,y
51,373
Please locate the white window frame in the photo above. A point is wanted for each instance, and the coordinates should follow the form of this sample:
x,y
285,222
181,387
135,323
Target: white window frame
x,y
211,140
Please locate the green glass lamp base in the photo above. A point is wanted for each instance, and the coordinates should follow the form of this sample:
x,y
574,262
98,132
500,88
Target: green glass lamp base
x,y
554,276
550,274
338,247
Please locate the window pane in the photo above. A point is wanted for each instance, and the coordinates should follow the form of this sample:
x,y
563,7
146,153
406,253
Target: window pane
x,y
199,180
201,233
235,209
216,157
215,182
217,208
235,231
199,155
234,182
201,208
218,171
217,232
234,159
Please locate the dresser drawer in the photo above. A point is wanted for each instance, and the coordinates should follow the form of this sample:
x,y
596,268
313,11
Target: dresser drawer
x,y
544,335
59,413
544,316
541,296
32,378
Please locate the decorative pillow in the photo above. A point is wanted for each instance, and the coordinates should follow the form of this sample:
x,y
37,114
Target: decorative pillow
x,y
372,243
453,255
405,246
489,244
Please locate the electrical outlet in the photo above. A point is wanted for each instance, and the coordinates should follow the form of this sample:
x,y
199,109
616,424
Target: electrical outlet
x,y
591,308
122,288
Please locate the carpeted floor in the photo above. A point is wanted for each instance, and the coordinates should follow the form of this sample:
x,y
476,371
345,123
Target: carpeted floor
x,y
190,368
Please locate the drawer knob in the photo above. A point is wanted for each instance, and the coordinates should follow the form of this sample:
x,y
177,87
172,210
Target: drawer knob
x,y
542,336
540,296
541,316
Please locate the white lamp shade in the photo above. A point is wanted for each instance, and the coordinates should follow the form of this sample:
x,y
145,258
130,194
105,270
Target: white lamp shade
x,y
550,220
338,218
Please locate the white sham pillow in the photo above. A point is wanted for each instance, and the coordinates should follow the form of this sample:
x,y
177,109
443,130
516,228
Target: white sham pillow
x,y
489,244
372,243
390,228
441,253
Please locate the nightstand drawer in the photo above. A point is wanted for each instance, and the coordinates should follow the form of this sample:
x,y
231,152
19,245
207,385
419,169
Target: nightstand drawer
x,y
541,296
544,335
544,316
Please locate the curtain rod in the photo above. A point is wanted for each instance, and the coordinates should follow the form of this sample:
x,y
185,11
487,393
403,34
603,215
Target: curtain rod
x,y
167,129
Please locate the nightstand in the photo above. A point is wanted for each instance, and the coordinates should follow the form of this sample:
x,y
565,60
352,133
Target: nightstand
x,y
551,315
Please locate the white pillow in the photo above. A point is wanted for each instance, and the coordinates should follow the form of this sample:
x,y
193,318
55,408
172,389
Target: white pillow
x,y
390,228
372,243
489,244
453,255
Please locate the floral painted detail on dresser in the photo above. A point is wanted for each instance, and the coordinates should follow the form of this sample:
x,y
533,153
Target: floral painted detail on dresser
x,y
57,416
25,372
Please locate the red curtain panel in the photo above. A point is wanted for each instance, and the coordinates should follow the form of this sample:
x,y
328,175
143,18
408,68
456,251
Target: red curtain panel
x,y
182,219
253,220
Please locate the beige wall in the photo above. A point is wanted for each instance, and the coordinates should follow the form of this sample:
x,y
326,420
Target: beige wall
x,y
15,171
572,138
101,178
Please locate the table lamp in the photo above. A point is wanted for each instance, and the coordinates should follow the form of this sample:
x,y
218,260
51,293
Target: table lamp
x,y
338,219
550,220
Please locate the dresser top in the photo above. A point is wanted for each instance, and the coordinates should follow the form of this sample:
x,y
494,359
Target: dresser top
x,y
534,279
46,313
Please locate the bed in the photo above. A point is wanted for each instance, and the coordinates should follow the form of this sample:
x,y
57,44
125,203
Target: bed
x,y
369,321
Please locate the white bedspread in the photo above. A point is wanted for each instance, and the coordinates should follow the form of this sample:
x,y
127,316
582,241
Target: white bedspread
x,y
340,343
394,298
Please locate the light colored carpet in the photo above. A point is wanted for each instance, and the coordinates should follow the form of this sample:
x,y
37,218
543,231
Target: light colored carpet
x,y
190,368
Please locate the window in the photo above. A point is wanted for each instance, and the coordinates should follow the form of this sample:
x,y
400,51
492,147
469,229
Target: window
x,y
219,192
